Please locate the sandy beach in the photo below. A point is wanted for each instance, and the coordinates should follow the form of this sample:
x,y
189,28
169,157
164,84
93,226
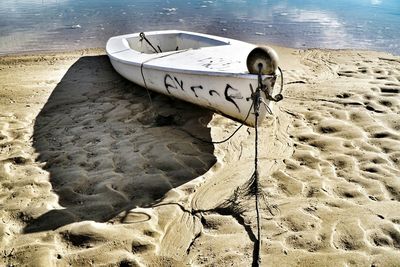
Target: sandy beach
x,y
94,174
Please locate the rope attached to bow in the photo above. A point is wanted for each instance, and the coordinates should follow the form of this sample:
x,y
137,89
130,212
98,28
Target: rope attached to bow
x,y
143,37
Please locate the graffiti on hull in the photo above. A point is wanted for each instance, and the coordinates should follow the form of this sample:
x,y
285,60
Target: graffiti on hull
x,y
231,94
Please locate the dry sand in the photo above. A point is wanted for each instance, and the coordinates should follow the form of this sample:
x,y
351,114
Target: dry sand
x,y
91,173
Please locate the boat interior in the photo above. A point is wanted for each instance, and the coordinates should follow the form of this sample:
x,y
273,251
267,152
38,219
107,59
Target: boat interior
x,y
160,43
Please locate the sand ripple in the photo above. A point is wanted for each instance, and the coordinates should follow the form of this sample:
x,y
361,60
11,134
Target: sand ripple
x,y
92,174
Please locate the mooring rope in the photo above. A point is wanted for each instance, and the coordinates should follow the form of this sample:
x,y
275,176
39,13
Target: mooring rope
x,y
143,37
254,185
226,139
278,97
257,101
144,81
146,61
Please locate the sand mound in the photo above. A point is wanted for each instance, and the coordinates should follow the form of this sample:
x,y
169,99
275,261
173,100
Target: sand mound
x,y
92,173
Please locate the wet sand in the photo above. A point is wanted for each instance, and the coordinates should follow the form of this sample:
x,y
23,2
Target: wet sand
x,y
92,173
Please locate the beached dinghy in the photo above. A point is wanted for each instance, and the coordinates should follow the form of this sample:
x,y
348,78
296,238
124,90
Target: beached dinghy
x,y
214,72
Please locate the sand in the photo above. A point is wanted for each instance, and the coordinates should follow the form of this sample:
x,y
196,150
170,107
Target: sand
x,y
94,174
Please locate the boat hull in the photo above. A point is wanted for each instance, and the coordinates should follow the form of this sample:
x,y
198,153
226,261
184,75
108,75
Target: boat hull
x,y
181,74
230,97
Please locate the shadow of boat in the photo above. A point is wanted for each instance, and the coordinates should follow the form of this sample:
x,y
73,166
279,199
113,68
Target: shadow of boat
x,y
108,149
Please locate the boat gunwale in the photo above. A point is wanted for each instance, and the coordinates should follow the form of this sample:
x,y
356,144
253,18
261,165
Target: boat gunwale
x,y
194,72
146,65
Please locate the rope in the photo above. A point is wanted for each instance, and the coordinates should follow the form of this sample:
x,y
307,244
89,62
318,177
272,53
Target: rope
x,y
280,70
144,62
257,193
226,139
255,184
278,97
257,100
144,81
143,37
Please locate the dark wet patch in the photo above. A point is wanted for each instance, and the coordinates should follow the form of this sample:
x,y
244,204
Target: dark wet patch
x,y
127,263
386,103
381,135
344,95
77,240
372,170
373,198
138,247
161,120
328,129
390,90
19,160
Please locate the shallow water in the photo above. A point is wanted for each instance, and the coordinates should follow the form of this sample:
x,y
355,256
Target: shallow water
x,y
31,25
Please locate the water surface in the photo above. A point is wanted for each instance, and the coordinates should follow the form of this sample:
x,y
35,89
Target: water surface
x,y
32,25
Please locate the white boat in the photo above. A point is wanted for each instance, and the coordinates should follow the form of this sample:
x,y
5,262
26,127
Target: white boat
x,y
206,70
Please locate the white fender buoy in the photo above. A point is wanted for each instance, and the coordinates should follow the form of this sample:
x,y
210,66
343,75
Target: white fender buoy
x,y
264,57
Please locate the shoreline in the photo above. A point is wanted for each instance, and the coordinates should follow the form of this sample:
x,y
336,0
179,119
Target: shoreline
x,y
88,176
33,53
98,49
